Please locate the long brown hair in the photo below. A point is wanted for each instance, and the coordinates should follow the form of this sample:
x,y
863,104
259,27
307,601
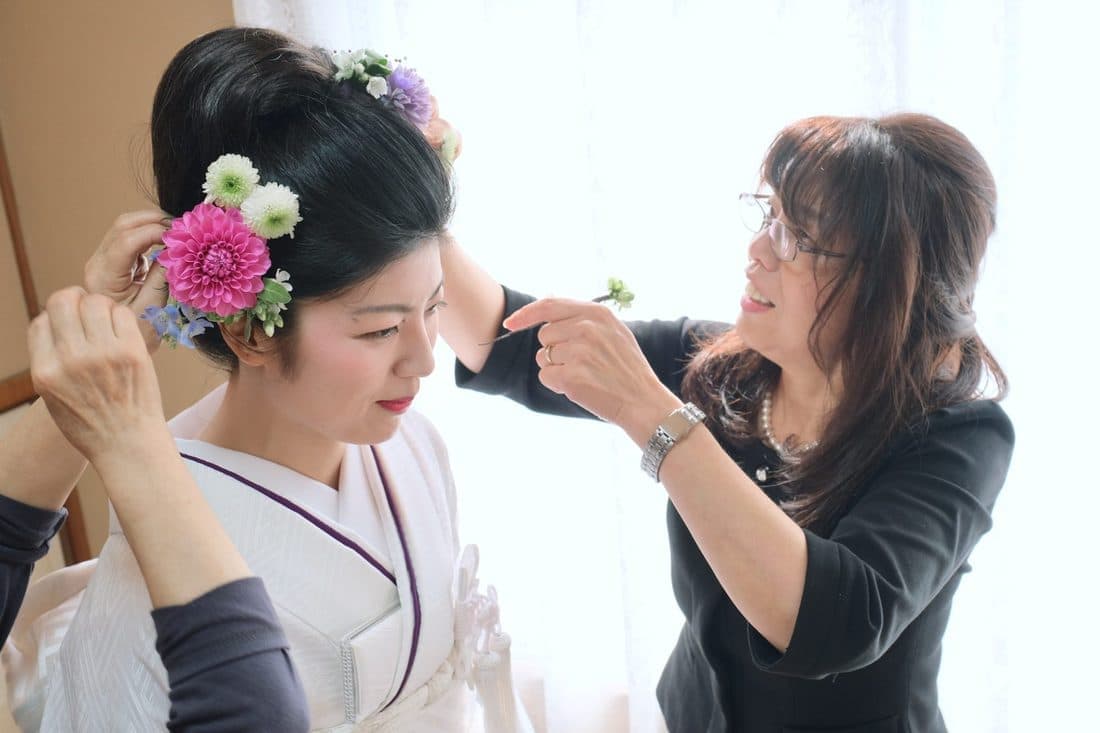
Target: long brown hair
x,y
912,202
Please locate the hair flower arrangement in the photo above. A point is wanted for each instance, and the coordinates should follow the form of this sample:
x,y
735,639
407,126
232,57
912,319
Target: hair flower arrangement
x,y
617,293
215,256
399,86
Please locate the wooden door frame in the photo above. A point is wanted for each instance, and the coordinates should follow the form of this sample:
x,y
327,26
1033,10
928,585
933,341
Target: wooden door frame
x,y
17,389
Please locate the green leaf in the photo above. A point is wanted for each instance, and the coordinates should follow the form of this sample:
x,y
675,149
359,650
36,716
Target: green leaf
x,y
274,292
378,68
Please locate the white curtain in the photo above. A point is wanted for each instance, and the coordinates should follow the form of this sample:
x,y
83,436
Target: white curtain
x,y
608,137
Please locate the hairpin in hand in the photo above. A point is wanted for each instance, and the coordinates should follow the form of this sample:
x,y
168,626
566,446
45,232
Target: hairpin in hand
x,y
617,293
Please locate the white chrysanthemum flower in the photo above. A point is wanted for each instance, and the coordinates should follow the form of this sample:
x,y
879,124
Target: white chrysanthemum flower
x,y
230,180
344,62
283,278
271,211
377,86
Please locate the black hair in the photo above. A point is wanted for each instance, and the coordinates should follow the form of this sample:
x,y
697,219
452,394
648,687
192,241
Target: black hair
x,y
371,189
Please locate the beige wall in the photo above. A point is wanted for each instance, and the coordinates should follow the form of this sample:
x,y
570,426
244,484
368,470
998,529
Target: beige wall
x,y
76,86
13,324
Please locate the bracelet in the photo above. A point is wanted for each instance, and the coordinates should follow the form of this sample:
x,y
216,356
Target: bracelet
x,y
672,430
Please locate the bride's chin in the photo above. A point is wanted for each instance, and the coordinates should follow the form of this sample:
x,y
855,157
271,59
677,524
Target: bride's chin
x,y
375,431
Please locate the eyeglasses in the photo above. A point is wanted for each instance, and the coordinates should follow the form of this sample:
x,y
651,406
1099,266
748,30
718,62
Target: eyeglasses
x,y
756,214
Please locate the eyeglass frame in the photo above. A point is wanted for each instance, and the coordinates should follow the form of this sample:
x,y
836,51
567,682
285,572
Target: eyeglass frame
x,y
769,219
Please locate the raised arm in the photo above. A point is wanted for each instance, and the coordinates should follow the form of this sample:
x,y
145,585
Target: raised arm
x,y
90,364
475,306
217,632
38,466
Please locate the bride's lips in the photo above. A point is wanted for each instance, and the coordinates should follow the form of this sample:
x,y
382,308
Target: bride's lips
x,y
397,406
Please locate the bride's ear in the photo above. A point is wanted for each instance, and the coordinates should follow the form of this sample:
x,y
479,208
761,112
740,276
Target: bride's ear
x,y
256,351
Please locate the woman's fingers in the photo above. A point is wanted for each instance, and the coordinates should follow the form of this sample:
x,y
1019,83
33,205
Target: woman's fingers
x,y
121,245
134,219
95,318
66,328
556,355
43,356
549,309
154,292
109,269
89,364
126,327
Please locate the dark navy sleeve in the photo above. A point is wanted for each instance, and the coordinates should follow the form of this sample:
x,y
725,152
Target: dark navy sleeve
x,y
899,544
25,533
228,666
511,370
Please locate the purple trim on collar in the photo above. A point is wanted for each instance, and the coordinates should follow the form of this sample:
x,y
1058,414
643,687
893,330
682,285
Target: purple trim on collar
x,y
412,578
343,540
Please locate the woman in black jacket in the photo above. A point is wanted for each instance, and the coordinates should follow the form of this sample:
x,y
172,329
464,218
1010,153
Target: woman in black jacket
x,y
830,459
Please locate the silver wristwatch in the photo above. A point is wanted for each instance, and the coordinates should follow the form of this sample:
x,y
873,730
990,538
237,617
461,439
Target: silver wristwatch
x,y
671,430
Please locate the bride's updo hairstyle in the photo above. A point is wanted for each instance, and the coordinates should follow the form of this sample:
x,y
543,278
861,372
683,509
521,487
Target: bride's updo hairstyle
x,y
371,189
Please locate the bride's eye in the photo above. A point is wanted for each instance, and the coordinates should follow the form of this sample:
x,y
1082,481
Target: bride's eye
x,y
384,333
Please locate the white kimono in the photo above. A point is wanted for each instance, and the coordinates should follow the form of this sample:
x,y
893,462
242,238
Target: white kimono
x,y
384,635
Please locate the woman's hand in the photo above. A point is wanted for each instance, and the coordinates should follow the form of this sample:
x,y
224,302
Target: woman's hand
x,y
110,269
591,357
90,365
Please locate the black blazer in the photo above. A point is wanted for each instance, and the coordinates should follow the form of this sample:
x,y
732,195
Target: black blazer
x,y
867,640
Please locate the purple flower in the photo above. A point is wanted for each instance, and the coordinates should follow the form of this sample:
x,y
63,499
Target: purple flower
x,y
409,93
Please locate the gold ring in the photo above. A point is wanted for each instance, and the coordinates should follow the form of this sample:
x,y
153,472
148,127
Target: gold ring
x,y
549,355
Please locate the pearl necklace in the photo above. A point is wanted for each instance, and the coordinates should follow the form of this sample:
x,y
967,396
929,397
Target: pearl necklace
x,y
784,455
766,424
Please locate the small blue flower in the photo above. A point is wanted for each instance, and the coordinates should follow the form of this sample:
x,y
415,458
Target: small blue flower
x,y
165,320
190,313
192,329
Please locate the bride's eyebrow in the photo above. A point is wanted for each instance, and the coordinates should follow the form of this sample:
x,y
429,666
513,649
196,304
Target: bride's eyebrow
x,y
392,307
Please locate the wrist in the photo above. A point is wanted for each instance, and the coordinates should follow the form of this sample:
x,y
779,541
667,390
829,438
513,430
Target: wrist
x,y
140,451
643,418
670,432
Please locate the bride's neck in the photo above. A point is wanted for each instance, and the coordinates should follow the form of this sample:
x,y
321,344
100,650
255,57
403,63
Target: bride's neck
x,y
248,421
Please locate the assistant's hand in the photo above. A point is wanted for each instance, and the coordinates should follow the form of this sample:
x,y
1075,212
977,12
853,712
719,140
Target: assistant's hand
x,y
108,271
90,365
591,357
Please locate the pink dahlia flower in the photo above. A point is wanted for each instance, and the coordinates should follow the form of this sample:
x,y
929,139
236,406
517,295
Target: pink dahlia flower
x,y
213,261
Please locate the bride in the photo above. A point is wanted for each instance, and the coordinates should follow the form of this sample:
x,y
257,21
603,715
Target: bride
x,y
311,272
